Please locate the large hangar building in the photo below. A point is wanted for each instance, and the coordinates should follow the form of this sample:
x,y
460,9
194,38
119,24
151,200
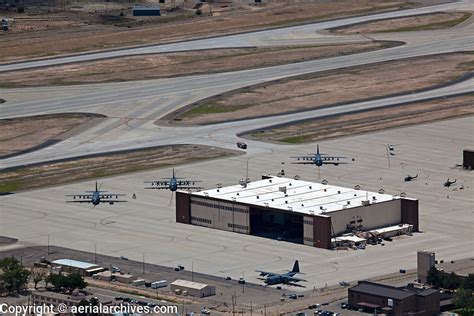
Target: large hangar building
x,y
297,211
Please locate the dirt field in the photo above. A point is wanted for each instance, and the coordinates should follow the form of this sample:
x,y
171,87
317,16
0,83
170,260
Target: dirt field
x,y
90,32
176,64
421,22
315,90
23,133
97,167
344,125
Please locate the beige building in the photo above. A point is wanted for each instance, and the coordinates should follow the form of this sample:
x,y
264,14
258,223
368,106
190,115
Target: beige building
x,y
297,211
193,288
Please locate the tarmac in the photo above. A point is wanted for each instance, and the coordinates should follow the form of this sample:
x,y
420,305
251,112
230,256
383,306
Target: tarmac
x,y
147,225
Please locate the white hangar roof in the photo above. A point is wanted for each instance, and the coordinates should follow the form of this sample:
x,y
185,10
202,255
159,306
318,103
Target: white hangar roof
x,y
301,196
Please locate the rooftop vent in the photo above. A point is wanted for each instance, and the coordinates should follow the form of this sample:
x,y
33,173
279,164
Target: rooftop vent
x,y
218,190
282,189
219,185
290,184
338,192
296,177
324,190
238,193
270,180
374,198
273,200
355,194
310,187
381,191
348,202
324,182
258,197
302,204
365,202
286,202
357,187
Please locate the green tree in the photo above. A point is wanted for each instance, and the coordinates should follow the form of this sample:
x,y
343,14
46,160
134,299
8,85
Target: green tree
x,y
14,275
66,283
37,275
463,299
434,277
451,281
468,282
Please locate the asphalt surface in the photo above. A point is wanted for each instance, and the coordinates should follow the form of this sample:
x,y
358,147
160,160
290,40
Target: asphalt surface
x,y
296,35
147,225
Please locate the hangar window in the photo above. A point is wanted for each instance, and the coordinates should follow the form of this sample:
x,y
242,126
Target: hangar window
x,y
308,239
360,220
230,225
201,220
308,222
352,222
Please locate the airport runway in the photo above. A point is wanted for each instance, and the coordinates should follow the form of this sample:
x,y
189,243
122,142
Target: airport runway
x,y
147,224
296,35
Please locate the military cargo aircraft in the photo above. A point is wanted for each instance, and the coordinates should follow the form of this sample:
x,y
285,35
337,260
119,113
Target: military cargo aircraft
x,y
96,197
271,278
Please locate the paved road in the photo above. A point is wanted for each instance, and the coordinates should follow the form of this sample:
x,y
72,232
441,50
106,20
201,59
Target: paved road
x,y
297,35
133,106
133,134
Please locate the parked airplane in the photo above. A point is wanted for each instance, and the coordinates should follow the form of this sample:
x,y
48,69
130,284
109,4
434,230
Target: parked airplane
x,y
96,197
271,278
318,159
173,184
409,178
449,183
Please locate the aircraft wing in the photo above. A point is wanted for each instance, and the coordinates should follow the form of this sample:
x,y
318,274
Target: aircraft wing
x,y
187,182
293,279
303,160
80,198
187,187
158,185
333,160
110,196
265,273
112,201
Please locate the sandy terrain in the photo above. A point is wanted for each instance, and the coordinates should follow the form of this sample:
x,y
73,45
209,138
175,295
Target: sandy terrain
x,y
97,167
351,124
313,91
421,22
175,64
94,35
23,133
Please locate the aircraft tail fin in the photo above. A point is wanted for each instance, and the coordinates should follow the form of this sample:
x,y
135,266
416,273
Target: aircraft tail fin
x,y
317,149
173,173
96,186
296,267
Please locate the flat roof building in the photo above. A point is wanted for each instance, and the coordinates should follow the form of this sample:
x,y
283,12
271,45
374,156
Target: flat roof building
x,y
79,267
193,288
294,210
394,301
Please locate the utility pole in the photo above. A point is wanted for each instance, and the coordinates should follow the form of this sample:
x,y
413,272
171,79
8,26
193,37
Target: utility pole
x,y
48,244
251,309
233,304
192,271
143,262
243,283
95,253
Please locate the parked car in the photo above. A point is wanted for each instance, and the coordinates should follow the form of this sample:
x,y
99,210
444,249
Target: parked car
x,y
242,145
228,278
205,311
241,281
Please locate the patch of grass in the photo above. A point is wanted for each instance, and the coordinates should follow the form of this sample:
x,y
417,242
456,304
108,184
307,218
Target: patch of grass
x,y
431,26
8,85
10,186
296,139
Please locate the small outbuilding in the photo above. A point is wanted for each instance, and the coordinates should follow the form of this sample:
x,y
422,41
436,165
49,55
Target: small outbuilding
x,y
193,288
79,267
468,159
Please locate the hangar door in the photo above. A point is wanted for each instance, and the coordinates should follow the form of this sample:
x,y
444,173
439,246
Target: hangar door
x,y
268,223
